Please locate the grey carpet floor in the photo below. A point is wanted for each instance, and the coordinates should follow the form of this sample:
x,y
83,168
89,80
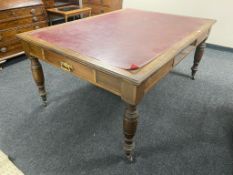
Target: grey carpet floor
x,y
185,126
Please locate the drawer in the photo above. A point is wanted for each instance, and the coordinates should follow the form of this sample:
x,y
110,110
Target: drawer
x,y
21,22
98,2
106,3
8,24
99,9
10,48
106,10
92,2
29,11
85,1
67,64
49,3
31,20
95,2
6,35
7,14
32,27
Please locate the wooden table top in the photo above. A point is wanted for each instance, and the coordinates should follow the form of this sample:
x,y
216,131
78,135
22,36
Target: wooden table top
x,y
124,40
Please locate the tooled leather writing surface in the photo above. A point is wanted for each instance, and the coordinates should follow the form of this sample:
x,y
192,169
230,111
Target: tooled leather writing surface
x,y
126,39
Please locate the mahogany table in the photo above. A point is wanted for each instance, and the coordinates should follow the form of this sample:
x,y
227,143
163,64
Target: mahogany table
x,y
125,52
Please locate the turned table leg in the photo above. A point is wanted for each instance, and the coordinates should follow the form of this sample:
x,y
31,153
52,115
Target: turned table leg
x,y
1,64
50,19
66,18
197,57
38,76
130,125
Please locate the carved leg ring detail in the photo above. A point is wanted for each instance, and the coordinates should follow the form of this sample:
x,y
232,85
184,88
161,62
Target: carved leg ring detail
x,y
130,126
38,76
197,57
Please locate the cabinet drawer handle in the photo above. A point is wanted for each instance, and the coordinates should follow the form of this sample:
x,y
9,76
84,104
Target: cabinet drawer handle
x,y
65,66
37,27
35,19
33,11
3,49
13,13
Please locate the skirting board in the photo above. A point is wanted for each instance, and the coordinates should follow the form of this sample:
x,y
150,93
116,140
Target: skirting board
x,y
221,48
7,167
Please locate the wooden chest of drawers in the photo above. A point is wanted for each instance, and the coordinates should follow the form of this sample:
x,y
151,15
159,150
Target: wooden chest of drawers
x,y
17,16
102,6
59,3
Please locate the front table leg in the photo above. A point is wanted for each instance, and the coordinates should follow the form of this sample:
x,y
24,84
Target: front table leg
x,y
38,76
130,125
197,57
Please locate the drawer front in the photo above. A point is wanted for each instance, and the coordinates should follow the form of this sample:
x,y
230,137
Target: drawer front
x,y
98,2
107,3
29,11
97,9
7,14
14,14
30,20
9,24
7,35
106,10
32,27
95,2
10,48
49,3
67,65
21,22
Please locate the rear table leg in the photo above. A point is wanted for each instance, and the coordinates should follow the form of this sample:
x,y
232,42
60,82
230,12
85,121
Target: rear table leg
x,y
130,125
66,18
197,57
38,76
1,64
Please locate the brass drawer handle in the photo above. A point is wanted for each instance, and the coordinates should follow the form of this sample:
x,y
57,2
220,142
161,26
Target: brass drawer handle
x,y
35,19
65,66
33,11
3,49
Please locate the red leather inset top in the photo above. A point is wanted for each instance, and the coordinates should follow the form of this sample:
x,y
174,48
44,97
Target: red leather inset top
x,y
127,39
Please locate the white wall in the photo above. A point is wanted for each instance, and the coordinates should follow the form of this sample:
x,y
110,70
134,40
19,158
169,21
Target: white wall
x,y
221,10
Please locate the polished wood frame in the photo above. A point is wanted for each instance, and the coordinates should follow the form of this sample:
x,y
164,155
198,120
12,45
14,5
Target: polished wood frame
x,y
130,85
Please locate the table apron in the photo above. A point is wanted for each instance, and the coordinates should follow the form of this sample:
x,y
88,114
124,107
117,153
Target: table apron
x,y
127,90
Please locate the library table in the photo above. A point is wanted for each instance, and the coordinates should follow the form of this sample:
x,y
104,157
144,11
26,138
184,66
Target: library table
x,y
125,52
